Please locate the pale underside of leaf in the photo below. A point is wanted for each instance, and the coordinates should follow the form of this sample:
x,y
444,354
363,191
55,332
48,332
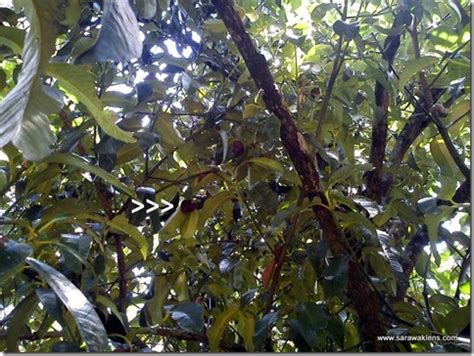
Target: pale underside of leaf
x,y
21,119
119,37
89,324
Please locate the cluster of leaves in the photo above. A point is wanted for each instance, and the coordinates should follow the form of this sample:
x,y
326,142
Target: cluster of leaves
x,y
108,101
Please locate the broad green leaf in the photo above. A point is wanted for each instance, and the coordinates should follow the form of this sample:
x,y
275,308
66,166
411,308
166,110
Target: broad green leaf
x,y
382,269
221,321
212,204
352,218
335,276
247,329
458,110
154,306
51,303
17,324
413,67
80,83
341,174
88,322
190,224
188,315
266,163
457,320
262,327
24,110
442,157
109,304
164,127
433,221
119,37
12,254
82,164
215,27
121,224
12,37
250,110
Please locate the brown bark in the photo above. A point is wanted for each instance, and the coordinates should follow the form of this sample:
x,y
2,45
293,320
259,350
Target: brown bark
x,y
364,299
375,188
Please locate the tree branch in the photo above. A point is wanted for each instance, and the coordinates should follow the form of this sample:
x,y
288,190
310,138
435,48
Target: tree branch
x,y
332,79
364,299
375,188
433,113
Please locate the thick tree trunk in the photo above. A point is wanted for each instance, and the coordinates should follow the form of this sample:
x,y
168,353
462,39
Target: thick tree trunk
x,y
364,298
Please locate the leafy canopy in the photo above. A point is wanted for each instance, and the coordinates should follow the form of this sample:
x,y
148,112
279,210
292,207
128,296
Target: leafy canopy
x,y
105,103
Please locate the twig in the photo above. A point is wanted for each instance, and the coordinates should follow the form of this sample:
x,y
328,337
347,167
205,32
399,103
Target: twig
x,y
466,261
332,79
425,294
280,259
433,113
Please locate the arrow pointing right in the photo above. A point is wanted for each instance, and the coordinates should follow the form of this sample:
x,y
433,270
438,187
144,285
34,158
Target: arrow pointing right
x,y
139,205
154,206
168,206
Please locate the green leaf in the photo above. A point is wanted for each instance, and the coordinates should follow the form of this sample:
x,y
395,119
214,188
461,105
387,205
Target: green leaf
x,y
154,306
119,37
212,204
247,329
432,222
190,224
341,174
12,37
441,155
109,304
335,276
216,331
51,303
120,223
266,163
82,164
215,27
188,315
250,110
88,322
24,110
12,254
17,324
263,326
383,270
457,320
413,67
80,83
352,218
168,134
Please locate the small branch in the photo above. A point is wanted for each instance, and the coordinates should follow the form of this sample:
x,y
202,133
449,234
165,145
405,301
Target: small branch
x,y
425,294
466,262
447,63
280,258
338,61
433,113
122,271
